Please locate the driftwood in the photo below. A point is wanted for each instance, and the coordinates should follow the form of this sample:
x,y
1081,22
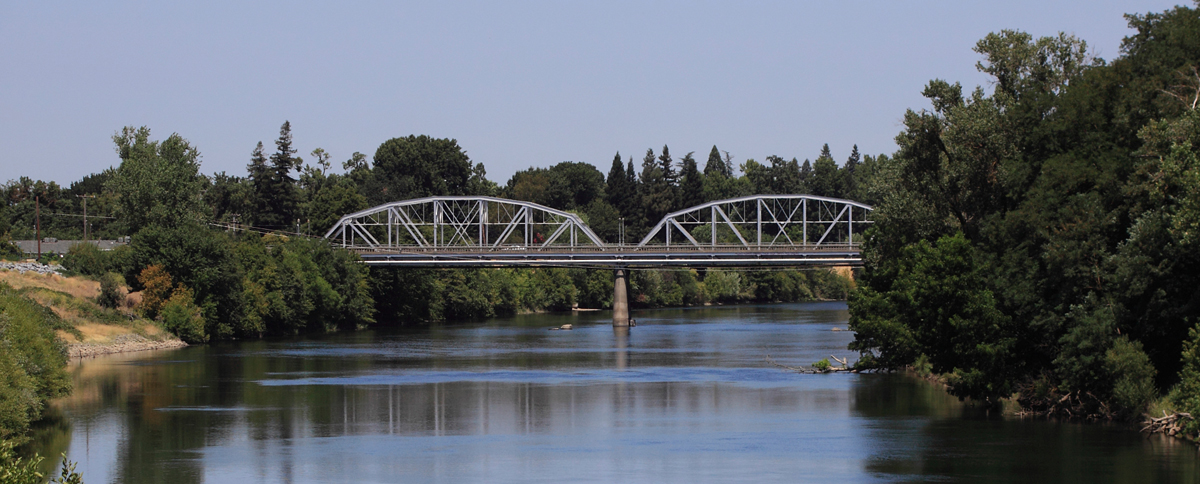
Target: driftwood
x,y
809,369
1167,424
1074,405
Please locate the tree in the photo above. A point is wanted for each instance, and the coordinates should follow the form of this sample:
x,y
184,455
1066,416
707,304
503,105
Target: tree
x,y
657,195
939,304
715,165
848,188
157,182
825,180
691,185
277,198
618,189
420,166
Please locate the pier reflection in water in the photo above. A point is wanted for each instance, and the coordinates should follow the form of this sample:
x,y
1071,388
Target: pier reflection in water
x,y
684,396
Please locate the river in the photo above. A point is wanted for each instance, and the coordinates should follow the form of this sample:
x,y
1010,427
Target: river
x,y
686,396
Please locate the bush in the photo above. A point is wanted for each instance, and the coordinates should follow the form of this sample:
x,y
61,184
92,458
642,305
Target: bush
x,y
16,470
86,259
32,361
110,291
822,365
1132,374
182,318
157,288
1187,393
9,250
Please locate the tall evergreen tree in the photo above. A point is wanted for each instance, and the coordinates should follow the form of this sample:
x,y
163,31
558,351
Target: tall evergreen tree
x,y
618,185
849,175
668,167
806,177
276,196
657,197
631,208
691,185
825,175
715,165
260,181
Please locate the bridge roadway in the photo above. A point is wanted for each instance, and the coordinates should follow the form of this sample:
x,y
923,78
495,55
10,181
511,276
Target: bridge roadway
x,y
613,256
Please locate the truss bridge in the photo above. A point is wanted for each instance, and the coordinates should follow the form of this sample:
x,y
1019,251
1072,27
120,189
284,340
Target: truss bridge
x,y
780,230
468,231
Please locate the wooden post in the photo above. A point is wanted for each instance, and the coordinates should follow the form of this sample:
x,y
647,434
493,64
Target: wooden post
x,y
37,221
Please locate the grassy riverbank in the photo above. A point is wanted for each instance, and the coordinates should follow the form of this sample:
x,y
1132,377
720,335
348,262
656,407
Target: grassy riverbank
x,y
85,327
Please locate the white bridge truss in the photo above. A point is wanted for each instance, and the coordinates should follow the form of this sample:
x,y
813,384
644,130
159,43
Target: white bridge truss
x,y
455,223
764,221
760,230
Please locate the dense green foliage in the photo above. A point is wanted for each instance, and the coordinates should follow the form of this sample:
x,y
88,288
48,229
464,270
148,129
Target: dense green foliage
x,y
224,284
32,361
1039,238
15,469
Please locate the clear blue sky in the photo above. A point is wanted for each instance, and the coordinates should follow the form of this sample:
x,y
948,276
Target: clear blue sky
x,y
518,84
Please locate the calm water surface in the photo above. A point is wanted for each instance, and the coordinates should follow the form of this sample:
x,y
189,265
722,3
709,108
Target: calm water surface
x,y
686,396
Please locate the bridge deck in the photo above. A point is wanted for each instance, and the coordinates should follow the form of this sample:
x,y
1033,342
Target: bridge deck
x,y
612,256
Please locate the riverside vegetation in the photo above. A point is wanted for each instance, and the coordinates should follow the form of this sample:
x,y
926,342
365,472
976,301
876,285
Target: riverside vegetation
x,y
1036,240
1039,241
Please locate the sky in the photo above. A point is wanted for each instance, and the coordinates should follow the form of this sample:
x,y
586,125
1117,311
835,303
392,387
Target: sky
x,y
518,84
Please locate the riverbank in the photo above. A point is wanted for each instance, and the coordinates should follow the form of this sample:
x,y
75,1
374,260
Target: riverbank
x,y
89,330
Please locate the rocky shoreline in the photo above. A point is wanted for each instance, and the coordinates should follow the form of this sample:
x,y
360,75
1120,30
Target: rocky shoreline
x,y
125,343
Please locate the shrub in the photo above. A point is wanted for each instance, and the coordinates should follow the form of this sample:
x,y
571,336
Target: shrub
x,y
181,316
822,365
1187,393
157,289
1132,373
32,361
86,259
9,250
110,291
16,470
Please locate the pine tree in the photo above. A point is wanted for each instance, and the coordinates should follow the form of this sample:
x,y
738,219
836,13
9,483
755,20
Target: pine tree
x,y
260,182
617,189
670,177
806,177
656,194
691,185
276,196
849,177
825,175
715,166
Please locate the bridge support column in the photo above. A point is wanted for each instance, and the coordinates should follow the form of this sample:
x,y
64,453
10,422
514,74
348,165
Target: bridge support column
x,y
620,302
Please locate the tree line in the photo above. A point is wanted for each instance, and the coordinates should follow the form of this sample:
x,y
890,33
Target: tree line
x,y
1039,240
200,238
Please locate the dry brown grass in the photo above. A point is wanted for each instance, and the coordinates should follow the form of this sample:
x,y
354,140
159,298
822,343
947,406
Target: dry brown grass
x,y
95,333
76,311
75,286
844,271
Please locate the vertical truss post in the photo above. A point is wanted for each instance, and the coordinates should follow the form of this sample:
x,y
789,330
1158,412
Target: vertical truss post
x,y
712,222
804,204
850,231
758,208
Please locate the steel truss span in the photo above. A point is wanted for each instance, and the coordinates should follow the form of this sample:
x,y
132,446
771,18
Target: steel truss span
x,y
761,230
764,221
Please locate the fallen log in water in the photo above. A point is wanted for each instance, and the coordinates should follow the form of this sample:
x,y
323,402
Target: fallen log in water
x,y
1167,424
810,369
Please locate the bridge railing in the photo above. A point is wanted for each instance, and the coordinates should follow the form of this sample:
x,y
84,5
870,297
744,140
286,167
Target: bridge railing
x,y
607,249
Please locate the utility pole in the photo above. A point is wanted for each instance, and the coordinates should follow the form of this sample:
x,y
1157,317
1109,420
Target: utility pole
x,y
85,224
37,220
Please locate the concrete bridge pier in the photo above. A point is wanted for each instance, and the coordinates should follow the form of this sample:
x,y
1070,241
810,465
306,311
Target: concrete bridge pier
x,y
620,302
